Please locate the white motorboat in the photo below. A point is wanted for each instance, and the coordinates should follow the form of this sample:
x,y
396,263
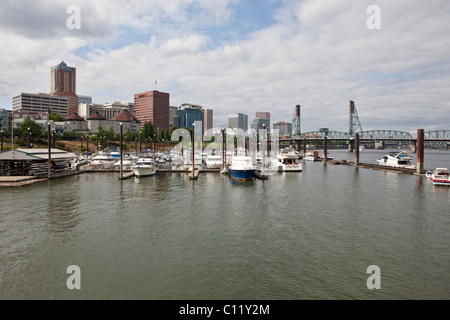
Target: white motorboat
x,y
127,163
288,160
214,161
440,177
144,167
242,167
397,159
103,160
311,156
329,157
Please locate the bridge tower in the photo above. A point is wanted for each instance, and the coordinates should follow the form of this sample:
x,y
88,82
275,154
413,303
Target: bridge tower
x,y
355,124
296,122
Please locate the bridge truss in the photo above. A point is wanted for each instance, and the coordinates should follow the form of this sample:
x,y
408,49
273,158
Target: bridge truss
x,y
438,134
372,134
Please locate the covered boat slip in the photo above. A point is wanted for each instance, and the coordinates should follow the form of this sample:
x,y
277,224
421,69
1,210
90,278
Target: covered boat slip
x,y
34,162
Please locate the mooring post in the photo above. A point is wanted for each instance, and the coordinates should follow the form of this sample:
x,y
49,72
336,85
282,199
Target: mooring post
x,y
121,151
49,152
97,142
325,148
224,150
357,149
420,146
54,139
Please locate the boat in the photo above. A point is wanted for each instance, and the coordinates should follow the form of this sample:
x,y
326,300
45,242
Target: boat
x,y
311,156
440,177
144,167
127,163
329,157
288,160
242,167
362,148
103,160
397,159
214,161
115,153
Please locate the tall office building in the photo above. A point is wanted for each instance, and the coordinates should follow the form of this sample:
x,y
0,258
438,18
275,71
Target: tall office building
x,y
285,129
187,116
40,102
152,106
63,84
263,115
207,119
238,121
172,114
259,124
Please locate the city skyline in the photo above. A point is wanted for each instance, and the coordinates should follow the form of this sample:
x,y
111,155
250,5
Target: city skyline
x,y
243,56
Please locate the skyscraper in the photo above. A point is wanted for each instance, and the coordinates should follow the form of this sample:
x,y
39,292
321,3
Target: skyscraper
x,y
63,84
152,106
238,121
207,119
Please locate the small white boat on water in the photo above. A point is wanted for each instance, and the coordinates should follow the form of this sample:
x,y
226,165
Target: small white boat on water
x,y
311,156
103,160
397,159
214,161
127,163
440,177
288,160
329,157
144,167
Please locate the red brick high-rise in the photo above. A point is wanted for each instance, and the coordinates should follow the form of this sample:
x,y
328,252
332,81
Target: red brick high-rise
x,y
63,84
152,106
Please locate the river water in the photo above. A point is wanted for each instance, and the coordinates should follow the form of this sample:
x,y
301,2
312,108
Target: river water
x,y
309,235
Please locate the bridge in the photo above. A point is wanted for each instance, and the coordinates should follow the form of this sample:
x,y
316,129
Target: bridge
x,y
355,127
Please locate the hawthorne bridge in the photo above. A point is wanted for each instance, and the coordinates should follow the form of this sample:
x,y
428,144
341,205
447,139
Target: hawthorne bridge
x,y
438,137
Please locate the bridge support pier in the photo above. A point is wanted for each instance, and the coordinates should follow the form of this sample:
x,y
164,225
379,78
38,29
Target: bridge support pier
x,y
414,146
304,146
350,145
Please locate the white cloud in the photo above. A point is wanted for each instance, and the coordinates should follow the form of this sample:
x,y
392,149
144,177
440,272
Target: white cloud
x,y
318,56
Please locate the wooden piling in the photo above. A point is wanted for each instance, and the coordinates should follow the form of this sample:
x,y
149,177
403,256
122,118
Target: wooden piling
x,y
325,149
49,152
420,147
121,151
357,149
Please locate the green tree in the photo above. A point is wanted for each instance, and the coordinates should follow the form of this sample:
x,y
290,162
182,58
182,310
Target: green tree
x,y
189,129
129,136
171,130
36,130
56,117
167,135
148,131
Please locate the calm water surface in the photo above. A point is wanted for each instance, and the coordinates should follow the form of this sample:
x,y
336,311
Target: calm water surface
x,y
308,235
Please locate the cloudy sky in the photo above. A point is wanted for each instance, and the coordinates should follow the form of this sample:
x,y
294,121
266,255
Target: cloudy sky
x,y
243,56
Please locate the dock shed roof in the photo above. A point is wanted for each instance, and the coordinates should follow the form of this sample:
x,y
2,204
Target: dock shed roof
x,y
35,154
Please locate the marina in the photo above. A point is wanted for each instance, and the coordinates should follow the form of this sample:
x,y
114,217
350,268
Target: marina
x,y
308,235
